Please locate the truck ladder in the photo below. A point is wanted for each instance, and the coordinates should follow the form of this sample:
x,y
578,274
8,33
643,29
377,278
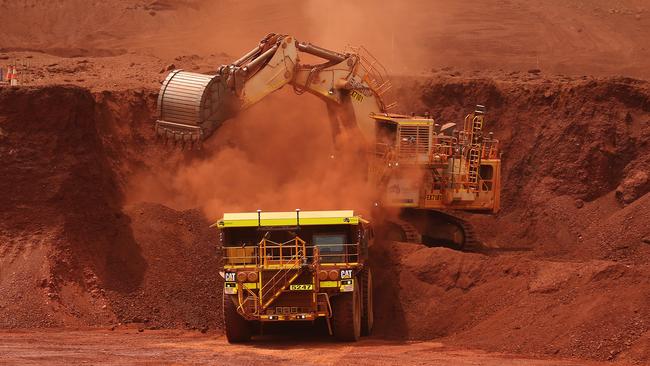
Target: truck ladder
x,y
277,284
290,268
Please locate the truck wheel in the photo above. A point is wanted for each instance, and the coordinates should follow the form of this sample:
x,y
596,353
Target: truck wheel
x,y
346,320
238,329
367,316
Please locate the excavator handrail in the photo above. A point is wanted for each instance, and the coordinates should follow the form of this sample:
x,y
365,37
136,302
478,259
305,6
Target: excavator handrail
x,y
376,74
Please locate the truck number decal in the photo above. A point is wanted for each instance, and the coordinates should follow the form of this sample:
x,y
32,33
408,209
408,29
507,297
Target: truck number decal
x,y
357,96
306,287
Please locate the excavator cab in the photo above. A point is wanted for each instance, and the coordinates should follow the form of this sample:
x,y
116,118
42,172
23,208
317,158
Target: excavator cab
x,y
426,165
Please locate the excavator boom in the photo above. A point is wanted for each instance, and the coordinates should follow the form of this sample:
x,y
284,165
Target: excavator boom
x,y
192,106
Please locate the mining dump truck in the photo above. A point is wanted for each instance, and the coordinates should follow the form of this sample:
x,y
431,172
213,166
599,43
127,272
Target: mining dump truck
x,y
296,267
426,170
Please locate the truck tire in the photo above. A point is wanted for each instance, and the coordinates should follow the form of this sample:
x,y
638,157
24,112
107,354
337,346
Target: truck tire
x,y
346,317
367,315
238,329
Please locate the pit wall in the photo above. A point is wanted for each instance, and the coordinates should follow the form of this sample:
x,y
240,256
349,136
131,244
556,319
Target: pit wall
x,y
74,252
575,152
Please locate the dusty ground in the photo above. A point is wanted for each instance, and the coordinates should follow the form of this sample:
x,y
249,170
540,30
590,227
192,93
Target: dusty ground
x,y
102,226
597,37
128,346
125,43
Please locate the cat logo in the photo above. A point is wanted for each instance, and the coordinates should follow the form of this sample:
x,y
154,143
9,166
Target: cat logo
x,y
230,277
346,273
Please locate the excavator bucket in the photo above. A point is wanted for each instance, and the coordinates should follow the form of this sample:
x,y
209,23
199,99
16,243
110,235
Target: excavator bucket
x,y
191,106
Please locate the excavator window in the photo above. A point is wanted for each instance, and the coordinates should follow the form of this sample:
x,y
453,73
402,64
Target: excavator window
x,y
486,173
386,133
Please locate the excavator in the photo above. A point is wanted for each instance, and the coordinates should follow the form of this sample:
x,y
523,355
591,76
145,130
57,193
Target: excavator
x,y
426,172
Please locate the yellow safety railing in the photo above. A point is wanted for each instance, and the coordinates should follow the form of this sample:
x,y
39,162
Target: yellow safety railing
x,y
274,254
376,76
241,256
288,257
349,254
490,149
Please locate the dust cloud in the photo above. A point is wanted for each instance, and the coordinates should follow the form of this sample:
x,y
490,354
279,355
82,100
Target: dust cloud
x,y
387,29
391,31
277,155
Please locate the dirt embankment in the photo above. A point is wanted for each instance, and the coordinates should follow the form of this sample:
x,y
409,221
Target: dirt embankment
x,y
71,253
575,199
590,309
575,152
574,194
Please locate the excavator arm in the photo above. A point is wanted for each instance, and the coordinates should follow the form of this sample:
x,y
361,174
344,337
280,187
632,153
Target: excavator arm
x,y
192,106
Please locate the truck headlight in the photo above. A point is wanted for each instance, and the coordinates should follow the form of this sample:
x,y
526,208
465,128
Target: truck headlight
x,y
333,275
347,286
322,275
230,288
241,276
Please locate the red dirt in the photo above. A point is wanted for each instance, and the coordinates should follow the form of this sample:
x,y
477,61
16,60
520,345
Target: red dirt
x,y
127,346
95,261
515,303
567,275
87,259
575,196
597,37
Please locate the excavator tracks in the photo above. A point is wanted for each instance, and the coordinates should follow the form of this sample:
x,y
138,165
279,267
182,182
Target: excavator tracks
x,y
410,233
437,228
470,238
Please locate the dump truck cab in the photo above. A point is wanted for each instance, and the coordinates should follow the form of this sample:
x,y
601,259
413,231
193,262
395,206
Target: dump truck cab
x,y
296,267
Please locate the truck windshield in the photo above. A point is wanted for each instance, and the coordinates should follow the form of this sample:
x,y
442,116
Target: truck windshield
x,y
331,247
